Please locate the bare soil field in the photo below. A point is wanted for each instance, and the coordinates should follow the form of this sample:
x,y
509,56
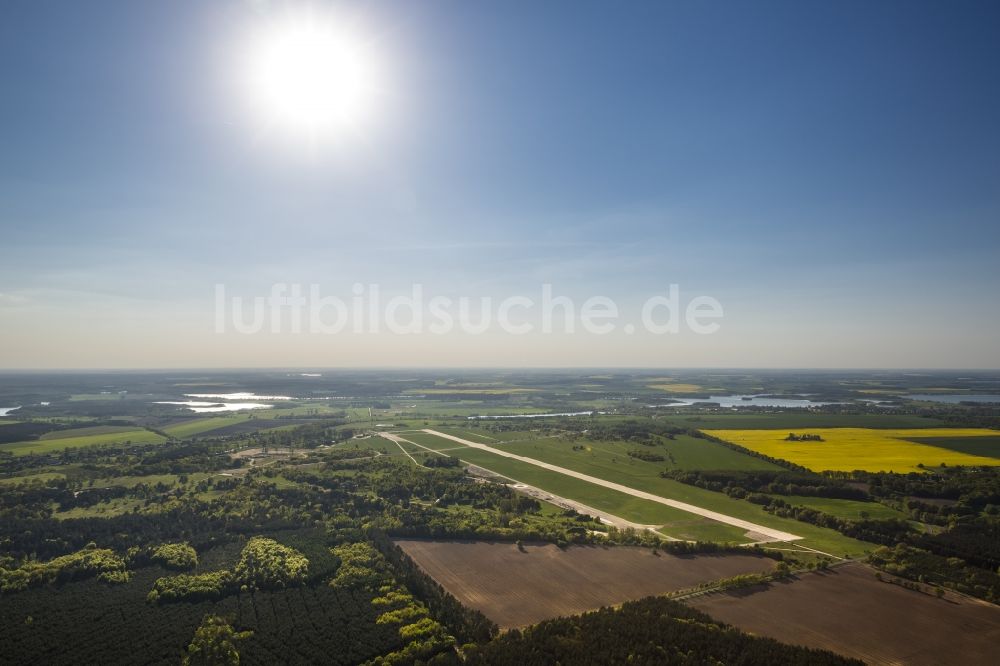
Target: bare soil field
x,y
847,610
515,588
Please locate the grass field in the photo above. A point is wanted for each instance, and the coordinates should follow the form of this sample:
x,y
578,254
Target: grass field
x,y
109,509
844,508
645,477
489,437
873,450
184,429
684,452
67,439
44,476
88,431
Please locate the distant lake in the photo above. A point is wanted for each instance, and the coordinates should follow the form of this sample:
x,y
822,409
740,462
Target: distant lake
x,y
205,407
238,396
952,398
532,416
748,401
4,411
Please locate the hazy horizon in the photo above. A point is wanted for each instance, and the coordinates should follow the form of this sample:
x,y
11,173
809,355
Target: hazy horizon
x,y
484,368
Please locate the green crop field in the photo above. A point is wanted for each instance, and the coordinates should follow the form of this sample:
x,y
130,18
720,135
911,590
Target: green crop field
x,y
681,453
86,432
988,445
184,429
118,436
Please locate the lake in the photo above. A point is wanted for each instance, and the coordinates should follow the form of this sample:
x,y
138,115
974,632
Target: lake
x,y
531,416
748,401
238,396
206,407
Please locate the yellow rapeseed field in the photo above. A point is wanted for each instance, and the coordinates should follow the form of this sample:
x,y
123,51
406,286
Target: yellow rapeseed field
x,y
676,388
870,449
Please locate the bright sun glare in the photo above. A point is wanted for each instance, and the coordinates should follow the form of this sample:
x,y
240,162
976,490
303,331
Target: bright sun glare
x,y
310,75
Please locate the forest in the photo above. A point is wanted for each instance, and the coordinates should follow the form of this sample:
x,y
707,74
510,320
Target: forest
x,y
649,631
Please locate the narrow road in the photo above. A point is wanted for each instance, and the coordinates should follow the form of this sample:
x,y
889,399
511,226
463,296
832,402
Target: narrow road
x,y
396,440
769,533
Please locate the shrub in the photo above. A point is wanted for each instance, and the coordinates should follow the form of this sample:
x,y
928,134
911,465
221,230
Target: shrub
x,y
265,563
176,556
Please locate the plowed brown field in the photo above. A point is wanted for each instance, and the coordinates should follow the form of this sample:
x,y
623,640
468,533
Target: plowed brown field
x,y
847,610
515,588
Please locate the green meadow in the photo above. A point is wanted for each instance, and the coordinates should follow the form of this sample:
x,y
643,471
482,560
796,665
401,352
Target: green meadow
x,y
185,429
100,435
844,508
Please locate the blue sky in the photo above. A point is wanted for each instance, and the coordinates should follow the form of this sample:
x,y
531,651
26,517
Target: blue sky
x,y
830,172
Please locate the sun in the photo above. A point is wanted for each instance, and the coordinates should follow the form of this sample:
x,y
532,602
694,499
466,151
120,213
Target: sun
x,y
311,75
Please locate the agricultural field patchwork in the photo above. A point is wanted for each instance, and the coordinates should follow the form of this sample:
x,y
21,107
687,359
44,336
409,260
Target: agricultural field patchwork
x,y
642,476
568,512
869,449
